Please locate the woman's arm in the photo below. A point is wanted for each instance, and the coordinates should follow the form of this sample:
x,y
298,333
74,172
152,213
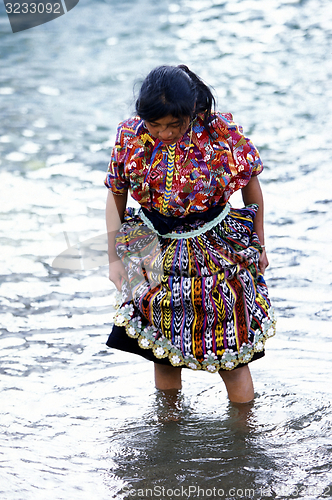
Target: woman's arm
x,y
115,207
252,193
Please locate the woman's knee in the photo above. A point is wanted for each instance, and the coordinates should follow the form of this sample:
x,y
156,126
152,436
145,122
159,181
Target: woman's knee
x,y
235,375
238,384
167,377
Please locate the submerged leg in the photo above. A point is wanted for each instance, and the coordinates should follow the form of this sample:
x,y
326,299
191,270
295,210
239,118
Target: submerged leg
x,y
239,384
167,377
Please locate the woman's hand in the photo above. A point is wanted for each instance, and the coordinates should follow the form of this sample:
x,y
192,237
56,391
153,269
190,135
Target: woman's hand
x,y
117,273
252,193
115,207
263,262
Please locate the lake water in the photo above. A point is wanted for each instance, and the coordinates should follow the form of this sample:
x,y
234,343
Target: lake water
x,y
79,421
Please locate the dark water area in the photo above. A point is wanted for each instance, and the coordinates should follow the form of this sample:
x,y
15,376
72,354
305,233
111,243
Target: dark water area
x,y
79,421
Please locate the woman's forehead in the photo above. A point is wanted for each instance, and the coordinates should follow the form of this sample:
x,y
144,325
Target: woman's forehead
x,y
166,120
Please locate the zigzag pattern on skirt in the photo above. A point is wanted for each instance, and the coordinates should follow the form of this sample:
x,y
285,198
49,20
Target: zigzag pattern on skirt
x,y
202,301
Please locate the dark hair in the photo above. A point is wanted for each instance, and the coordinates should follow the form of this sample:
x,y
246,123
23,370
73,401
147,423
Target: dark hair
x,y
176,91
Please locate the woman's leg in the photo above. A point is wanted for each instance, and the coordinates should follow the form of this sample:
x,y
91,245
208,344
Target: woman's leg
x,y
167,377
239,384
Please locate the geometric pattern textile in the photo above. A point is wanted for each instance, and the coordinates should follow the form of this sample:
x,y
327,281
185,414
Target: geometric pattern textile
x,y
206,170
201,301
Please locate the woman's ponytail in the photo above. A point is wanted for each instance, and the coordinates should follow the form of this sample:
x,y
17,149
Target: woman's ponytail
x,y
205,100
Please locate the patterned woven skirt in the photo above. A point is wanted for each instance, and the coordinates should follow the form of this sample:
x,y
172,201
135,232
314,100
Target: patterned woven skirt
x,y
195,296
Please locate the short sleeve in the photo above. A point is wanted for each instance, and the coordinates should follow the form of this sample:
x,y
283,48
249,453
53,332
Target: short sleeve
x,y
253,158
116,179
235,158
244,152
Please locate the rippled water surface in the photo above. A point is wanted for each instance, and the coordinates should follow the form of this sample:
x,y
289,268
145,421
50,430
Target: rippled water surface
x,y
79,421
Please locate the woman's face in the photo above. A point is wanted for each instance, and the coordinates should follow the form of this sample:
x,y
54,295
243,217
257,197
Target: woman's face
x,y
168,129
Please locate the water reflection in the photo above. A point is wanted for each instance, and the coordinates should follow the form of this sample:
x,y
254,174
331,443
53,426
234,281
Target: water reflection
x,y
193,452
239,449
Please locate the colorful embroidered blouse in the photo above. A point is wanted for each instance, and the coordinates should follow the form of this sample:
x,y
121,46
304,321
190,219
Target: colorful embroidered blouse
x,y
206,171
